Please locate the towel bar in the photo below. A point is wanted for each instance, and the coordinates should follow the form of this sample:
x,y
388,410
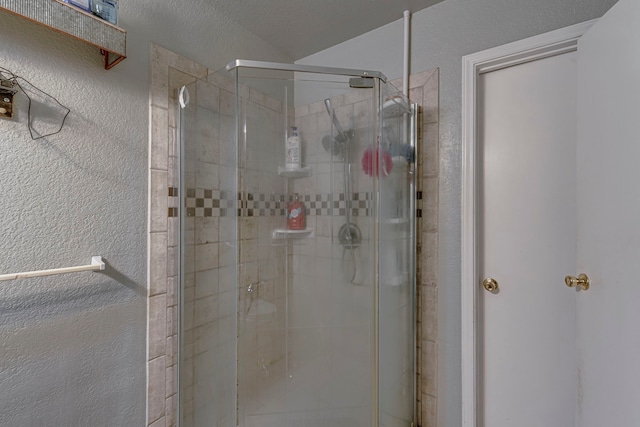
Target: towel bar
x,y
96,264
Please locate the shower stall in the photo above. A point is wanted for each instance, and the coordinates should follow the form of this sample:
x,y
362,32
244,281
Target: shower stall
x,y
311,327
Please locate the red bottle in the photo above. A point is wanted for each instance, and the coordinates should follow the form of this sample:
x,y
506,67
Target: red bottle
x,y
296,215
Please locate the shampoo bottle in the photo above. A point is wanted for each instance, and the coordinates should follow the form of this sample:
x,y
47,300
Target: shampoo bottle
x,y
293,160
296,215
106,9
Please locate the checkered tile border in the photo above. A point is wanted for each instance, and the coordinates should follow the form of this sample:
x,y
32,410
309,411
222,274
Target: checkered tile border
x,y
204,203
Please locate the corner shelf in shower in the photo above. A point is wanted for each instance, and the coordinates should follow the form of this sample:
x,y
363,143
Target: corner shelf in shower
x,y
283,233
295,173
395,221
69,20
399,280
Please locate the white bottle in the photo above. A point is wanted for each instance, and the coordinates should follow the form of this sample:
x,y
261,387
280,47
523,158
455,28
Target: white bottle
x,y
106,9
293,160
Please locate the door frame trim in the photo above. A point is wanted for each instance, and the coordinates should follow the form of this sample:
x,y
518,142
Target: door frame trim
x,y
538,47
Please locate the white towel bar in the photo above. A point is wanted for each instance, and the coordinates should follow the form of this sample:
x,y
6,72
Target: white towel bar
x,y
96,264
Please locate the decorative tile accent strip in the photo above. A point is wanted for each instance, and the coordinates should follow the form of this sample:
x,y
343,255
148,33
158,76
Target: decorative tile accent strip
x,y
173,202
215,203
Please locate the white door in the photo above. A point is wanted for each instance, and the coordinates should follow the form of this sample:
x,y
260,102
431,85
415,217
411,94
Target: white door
x,y
551,357
527,140
609,219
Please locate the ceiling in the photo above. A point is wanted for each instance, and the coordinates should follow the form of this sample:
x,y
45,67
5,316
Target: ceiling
x,y
300,28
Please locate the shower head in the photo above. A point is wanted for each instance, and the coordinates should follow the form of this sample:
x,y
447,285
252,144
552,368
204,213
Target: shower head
x,y
331,145
337,145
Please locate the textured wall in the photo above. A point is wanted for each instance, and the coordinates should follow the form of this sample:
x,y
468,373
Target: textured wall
x,y
73,346
441,35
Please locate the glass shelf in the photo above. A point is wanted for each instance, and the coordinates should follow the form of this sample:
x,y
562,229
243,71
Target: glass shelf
x,y
283,233
66,19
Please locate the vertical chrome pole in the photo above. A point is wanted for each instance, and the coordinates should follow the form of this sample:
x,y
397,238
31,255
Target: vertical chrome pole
x,y
375,242
413,141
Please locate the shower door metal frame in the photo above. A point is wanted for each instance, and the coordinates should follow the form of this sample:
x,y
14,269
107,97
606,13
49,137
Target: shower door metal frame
x,y
245,63
183,103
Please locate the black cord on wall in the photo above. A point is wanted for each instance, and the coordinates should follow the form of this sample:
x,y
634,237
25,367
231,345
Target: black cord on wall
x,y
21,83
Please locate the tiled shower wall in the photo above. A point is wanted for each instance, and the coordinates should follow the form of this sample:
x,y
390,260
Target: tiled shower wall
x,y
169,72
162,314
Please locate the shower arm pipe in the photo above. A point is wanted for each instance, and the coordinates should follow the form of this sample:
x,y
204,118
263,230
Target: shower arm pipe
x,y
96,264
405,62
246,63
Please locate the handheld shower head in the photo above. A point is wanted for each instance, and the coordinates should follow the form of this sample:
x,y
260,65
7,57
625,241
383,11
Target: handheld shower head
x,y
336,123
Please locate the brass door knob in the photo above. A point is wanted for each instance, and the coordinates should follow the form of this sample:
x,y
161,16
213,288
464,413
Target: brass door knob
x,y
582,281
490,284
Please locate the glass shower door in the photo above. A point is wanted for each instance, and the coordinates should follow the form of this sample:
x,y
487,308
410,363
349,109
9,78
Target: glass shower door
x,y
208,256
283,327
306,299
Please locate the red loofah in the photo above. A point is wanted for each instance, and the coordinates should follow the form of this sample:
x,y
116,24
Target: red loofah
x,y
370,163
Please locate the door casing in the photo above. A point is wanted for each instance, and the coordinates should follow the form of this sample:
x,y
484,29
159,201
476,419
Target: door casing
x,y
530,49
